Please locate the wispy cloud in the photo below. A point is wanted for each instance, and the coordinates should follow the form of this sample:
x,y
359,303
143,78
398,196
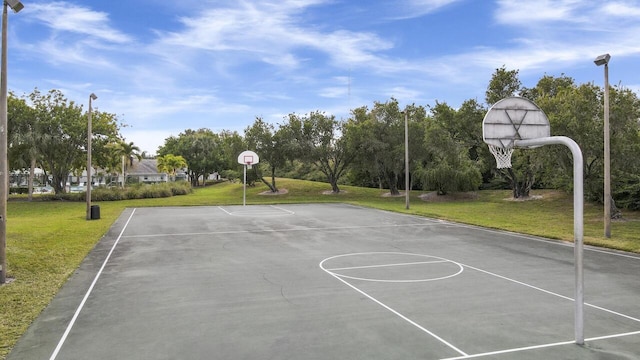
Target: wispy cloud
x,y
68,17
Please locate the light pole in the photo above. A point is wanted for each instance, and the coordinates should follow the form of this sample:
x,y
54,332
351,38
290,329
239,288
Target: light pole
x,y
604,60
4,159
89,136
406,159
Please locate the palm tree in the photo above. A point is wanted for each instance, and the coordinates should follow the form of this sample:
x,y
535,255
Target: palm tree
x,y
170,164
125,151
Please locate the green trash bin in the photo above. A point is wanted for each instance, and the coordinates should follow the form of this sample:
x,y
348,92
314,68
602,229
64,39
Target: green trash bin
x,y
95,212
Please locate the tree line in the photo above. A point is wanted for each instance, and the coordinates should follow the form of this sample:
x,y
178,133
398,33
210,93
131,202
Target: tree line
x,y
446,150
48,131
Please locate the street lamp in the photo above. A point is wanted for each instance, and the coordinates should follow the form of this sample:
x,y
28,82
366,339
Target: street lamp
x,y
406,159
89,136
4,159
604,60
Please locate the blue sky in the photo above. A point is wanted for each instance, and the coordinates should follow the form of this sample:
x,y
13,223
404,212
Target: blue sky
x,y
165,66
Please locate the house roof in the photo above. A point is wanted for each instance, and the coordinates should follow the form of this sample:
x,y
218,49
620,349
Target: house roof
x,y
144,167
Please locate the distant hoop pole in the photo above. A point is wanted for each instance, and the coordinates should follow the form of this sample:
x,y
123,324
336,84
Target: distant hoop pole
x,y
244,187
578,221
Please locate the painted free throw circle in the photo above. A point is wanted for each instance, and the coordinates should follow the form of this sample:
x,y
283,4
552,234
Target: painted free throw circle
x,y
392,267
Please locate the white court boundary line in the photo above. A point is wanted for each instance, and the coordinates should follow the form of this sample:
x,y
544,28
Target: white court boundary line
x,y
257,211
535,347
279,230
55,353
465,355
505,232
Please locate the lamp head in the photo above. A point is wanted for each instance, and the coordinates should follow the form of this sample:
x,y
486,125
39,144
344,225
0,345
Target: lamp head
x,y
602,59
93,96
15,5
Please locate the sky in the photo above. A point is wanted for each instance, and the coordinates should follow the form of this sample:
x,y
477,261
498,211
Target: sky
x,y
167,66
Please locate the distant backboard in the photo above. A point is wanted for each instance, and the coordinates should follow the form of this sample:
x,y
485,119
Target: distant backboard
x,y
248,158
511,119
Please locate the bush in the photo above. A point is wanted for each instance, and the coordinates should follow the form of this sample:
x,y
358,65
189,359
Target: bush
x,y
135,191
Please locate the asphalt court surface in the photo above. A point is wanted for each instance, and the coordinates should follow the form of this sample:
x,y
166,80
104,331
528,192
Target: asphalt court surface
x,y
331,281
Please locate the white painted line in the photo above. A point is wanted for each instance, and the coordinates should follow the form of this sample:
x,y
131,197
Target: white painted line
x,y
535,347
387,265
86,296
551,293
285,210
518,282
539,239
275,230
258,211
511,350
440,260
395,312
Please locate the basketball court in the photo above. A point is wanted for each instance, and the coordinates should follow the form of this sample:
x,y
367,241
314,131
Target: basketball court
x,y
332,281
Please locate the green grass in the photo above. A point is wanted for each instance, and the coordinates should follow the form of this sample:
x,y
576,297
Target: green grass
x,y
46,241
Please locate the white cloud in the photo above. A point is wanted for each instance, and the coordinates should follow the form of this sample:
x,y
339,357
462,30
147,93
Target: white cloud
x,y
67,17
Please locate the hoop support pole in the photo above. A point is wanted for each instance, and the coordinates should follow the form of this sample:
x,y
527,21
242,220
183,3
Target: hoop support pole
x,y
578,221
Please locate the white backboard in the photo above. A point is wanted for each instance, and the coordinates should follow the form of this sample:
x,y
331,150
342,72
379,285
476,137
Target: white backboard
x,y
514,118
248,158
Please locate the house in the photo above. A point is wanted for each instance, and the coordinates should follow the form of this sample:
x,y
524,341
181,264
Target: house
x,y
145,171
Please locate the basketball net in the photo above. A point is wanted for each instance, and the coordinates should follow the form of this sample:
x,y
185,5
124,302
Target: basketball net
x,y
249,165
502,155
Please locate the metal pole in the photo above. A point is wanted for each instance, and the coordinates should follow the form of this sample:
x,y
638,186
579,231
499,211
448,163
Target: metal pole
x,y
89,135
244,187
406,159
4,166
578,222
607,157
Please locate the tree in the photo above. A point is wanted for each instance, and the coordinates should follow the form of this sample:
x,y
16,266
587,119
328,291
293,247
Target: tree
x,y
378,134
231,145
270,145
170,163
199,148
448,141
23,136
126,151
316,141
521,176
503,83
62,134
577,112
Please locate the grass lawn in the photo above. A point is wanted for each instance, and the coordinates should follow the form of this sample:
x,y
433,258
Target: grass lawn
x,y
46,241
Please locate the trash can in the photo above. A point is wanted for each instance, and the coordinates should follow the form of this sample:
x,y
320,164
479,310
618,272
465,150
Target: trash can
x,y
95,212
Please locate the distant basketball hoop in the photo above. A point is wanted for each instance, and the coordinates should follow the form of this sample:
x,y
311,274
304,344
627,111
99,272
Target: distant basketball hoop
x,y
248,159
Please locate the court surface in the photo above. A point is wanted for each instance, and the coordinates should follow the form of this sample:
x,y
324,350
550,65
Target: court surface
x,y
332,281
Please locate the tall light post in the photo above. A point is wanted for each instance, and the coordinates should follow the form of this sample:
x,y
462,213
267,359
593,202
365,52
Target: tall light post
x,y
16,6
89,136
604,60
406,159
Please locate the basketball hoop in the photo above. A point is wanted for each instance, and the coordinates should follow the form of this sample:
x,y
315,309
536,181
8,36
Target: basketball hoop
x,y
502,155
508,122
248,163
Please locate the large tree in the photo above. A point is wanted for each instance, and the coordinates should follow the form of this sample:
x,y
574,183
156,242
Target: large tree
x,y
378,136
23,137
317,141
521,175
200,148
62,133
270,145
452,145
